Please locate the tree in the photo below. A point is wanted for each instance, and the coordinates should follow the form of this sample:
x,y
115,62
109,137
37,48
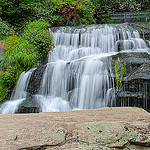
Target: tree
x,y
16,12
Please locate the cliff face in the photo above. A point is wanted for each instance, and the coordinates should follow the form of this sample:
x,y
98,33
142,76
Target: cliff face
x,y
135,89
145,31
135,85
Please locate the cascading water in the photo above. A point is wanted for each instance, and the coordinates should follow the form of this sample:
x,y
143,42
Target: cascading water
x,y
18,95
77,75
78,72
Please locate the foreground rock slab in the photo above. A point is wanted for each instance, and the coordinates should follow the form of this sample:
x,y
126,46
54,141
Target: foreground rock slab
x,y
104,128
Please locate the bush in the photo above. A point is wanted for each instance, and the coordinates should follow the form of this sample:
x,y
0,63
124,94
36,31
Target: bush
x,y
103,11
5,29
38,35
66,12
19,54
17,12
7,80
22,53
3,91
8,77
76,12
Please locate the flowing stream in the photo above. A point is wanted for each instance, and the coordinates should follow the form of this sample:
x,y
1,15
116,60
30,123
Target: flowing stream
x,y
78,73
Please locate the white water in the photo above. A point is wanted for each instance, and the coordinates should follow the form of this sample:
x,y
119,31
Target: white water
x,y
76,76
18,95
78,73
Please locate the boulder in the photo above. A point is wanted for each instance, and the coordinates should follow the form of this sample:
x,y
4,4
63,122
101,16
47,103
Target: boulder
x,y
104,128
35,80
30,105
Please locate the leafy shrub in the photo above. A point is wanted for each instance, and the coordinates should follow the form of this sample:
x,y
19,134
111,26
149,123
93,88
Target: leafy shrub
x,y
22,53
103,11
76,12
5,29
66,12
17,12
38,35
3,91
125,5
119,72
7,80
8,77
46,10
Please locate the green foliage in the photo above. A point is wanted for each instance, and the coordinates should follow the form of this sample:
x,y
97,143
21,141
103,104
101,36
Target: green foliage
x,y
47,11
22,53
119,74
103,11
0,10
123,71
3,91
145,6
66,12
8,77
40,24
148,93
17,12
5,29
7,80
37,34
127,6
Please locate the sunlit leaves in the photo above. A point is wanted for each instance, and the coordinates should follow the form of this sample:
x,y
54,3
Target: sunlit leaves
x,y
23,52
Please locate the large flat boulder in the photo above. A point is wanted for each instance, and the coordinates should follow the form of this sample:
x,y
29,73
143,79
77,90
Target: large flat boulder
x,y
104,128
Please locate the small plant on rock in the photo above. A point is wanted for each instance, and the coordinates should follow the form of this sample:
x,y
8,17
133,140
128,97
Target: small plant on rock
x,y
119,72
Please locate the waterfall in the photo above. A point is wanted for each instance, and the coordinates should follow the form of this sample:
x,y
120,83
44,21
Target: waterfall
x,y
78,73
18,95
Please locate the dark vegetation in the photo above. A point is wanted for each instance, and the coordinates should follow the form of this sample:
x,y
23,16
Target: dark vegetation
x,y
24,29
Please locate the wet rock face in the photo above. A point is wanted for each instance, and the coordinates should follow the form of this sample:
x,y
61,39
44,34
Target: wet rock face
x,y
135,87
134,93
147,36
144,30
35,80
24,109
30,105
